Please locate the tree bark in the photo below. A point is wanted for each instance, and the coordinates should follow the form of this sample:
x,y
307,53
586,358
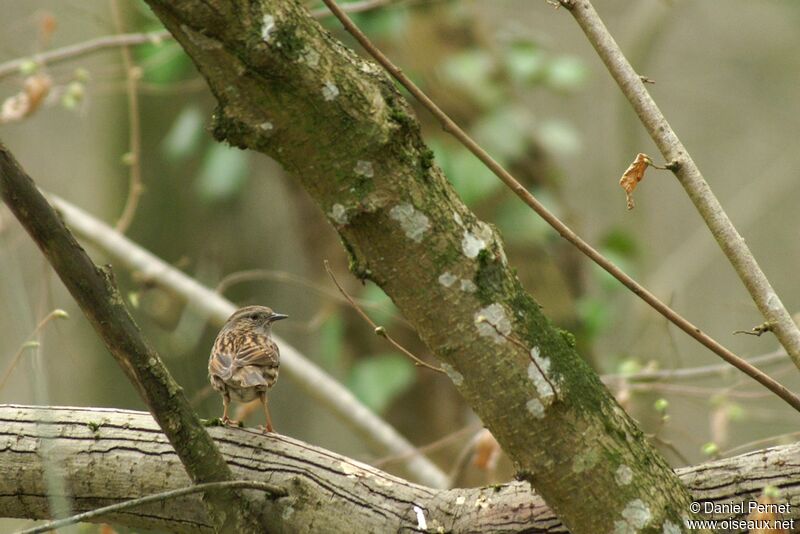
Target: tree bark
x,y
108,456
286,88
95,291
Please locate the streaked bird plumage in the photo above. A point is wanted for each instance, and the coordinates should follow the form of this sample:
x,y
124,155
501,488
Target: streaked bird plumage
x,y
245,360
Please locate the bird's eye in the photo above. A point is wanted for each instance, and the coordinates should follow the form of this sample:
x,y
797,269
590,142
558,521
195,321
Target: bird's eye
x,y
254,316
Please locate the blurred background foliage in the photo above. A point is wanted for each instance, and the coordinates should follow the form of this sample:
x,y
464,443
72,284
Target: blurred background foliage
x,y
521,78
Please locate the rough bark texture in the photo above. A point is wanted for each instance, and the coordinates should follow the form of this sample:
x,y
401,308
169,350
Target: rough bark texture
x,y
286,88
328,492
95,291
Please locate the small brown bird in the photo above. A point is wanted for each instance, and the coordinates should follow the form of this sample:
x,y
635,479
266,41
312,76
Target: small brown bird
x,y
245,360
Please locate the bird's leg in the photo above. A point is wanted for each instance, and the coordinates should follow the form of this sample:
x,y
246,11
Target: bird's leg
x,y
226,402
262,396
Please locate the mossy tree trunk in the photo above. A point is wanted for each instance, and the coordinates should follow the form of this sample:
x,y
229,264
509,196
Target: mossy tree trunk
x,y
287,88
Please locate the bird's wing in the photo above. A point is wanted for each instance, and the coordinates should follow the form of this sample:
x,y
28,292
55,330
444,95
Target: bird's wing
x,y
256,363
258,351
220,365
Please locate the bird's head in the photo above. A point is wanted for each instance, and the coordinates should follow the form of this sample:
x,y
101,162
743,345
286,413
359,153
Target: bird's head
x,y
256,317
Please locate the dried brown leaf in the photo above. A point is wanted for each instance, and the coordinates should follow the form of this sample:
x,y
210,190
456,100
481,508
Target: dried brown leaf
x,y
24,103
487,451
631,177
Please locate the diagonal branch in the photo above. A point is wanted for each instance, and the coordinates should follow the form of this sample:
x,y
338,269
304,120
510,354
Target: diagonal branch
x,y
690,177
95,291
338,124
567,233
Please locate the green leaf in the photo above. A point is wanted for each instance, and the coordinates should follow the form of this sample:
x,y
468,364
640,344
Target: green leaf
x,y
505,131
559,137
620,241
606,280
384,310
382,23
525,63
379,379
519,224
331,334
472,71
185,134
472,180
594,315
566,73
162,62
223,174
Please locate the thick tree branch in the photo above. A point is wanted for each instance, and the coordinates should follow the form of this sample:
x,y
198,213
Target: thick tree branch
x,y
294,365
286,88
95,292
689,175
93,443
567,233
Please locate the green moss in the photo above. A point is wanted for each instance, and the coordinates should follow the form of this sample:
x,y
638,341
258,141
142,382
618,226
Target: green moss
x,y
233,132
287,42
361,187
93,426
523,475
357,267
402,118
569,337
426,159
491,278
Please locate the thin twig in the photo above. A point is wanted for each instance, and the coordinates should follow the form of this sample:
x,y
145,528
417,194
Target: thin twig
x,y
134,156
274,491
30,343
82,49
696,391
758,442
690,177
432,446
521,191
9,68
369,5
285,277
379,330
692,372
671,446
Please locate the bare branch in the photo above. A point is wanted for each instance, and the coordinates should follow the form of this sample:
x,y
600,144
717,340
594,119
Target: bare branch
x,y
82,49
31,343
690,177
134,156
133,39
451,127
274,491
379,330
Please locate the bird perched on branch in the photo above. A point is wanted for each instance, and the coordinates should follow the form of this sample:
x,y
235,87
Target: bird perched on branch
x,y
245,360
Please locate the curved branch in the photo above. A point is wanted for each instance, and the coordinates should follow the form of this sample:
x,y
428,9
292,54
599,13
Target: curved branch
x,y
347,494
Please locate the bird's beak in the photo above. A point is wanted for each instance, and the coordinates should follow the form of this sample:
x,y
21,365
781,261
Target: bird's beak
x,y
277,317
